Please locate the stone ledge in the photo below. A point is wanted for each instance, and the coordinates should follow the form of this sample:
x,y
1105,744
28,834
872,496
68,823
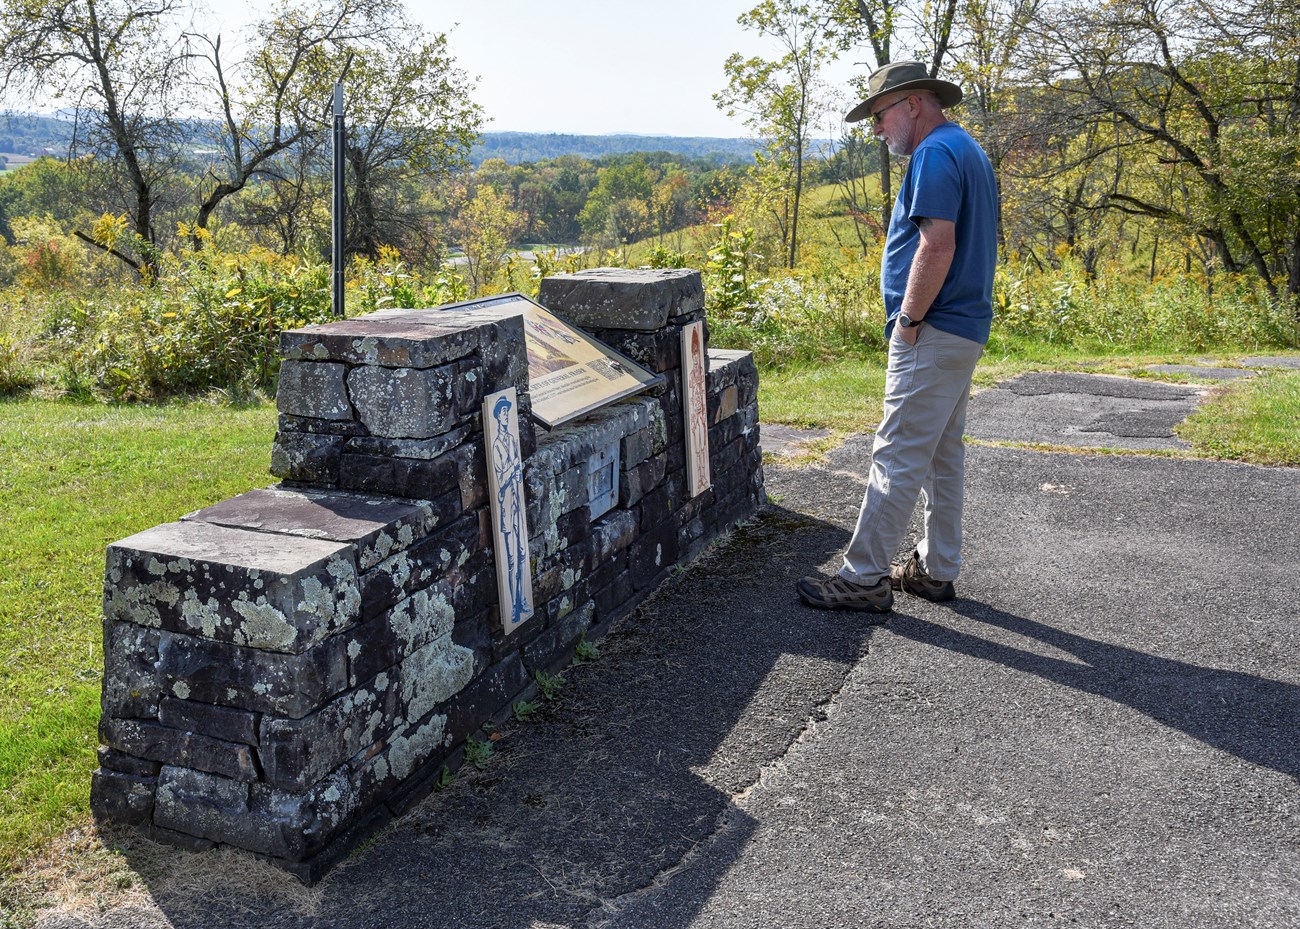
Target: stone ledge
x,y
378,526
620,298
233,585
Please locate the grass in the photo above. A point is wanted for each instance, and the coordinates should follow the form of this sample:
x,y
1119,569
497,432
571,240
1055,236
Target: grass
x,y
1254,420
74,478
844,395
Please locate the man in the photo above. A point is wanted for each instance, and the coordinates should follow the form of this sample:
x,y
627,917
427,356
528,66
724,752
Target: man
x,y
937,281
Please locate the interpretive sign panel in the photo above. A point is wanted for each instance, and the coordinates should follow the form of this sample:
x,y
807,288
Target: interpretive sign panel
x,y
569,372
506,496
695,409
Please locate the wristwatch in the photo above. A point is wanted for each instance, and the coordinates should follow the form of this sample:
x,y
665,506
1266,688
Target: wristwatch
x,y
907,322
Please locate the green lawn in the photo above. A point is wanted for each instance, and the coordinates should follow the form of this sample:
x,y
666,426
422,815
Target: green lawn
x,y
74,478
1256,420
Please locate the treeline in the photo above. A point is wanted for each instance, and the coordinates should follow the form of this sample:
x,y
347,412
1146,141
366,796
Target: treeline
x,y
32,135
523,147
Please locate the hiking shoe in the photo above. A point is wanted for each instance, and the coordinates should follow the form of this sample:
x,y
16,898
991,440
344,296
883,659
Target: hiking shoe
x,y
911,577
836,593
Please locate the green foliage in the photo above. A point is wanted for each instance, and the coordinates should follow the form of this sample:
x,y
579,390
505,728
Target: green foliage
x,y
585,651
549,686
524,710
663,257
1123,313
729,275
387,282
211,321
478,752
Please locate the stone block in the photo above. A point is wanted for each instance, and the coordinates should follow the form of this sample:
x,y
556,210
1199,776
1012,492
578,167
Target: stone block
x,y
612,534
637,482
145,739
125,799
405,403
347,427
257,818
652,554
264,591
415,478
554,646
636,448
297,753
406,339
310,458
378,526
549,494
131,682
314,389
471,472
194,668
419,566
489,693
615,598
414,622
219,722
113,760
432,675
659,352
503,352
403,756
474,583
619,298
418,449
722,405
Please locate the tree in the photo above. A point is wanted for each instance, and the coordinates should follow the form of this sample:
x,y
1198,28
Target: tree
x,y
123,67
619,208
781,100
1207,104
277,106
410,121
485,227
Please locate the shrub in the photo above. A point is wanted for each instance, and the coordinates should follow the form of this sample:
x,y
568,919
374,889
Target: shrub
x,y
209,322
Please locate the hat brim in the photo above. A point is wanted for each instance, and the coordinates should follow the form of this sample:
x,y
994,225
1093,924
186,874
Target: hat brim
x,y
949,94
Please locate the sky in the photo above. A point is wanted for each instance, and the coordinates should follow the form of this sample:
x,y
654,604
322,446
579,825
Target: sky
x,y
596,67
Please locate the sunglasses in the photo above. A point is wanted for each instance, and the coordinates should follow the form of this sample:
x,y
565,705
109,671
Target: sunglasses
x,y
879,115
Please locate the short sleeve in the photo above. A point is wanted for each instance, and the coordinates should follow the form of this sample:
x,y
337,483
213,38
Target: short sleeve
x,y
936,184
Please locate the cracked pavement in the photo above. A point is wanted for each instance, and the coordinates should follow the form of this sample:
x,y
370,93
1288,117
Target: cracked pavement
x,y
1100,730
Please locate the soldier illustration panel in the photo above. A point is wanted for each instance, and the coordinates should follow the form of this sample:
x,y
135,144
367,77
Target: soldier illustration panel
x,y
509,522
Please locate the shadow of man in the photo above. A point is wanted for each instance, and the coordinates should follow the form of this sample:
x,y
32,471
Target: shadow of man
x,y
1248,716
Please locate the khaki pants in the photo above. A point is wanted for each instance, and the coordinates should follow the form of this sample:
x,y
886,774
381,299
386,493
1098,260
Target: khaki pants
x,y
918,452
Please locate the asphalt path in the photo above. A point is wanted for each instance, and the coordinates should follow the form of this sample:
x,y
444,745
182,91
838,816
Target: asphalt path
x,y
1102,730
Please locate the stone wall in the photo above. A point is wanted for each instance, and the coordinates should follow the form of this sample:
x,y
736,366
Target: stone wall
x,y
286,670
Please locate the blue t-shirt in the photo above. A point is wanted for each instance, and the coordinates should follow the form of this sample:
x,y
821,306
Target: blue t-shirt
x,y
948,177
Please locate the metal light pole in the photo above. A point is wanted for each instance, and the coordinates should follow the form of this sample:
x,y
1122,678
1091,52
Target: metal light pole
x,y
338,227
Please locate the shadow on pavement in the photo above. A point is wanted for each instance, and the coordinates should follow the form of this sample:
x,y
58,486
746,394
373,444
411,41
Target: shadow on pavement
x,y
1250,717
589,805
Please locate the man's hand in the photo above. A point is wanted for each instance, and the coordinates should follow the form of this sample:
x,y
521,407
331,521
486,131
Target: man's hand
x,y
930,266
909,334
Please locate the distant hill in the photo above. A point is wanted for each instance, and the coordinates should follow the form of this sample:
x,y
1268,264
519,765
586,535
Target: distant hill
x,y
29,134
517,147
26,134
